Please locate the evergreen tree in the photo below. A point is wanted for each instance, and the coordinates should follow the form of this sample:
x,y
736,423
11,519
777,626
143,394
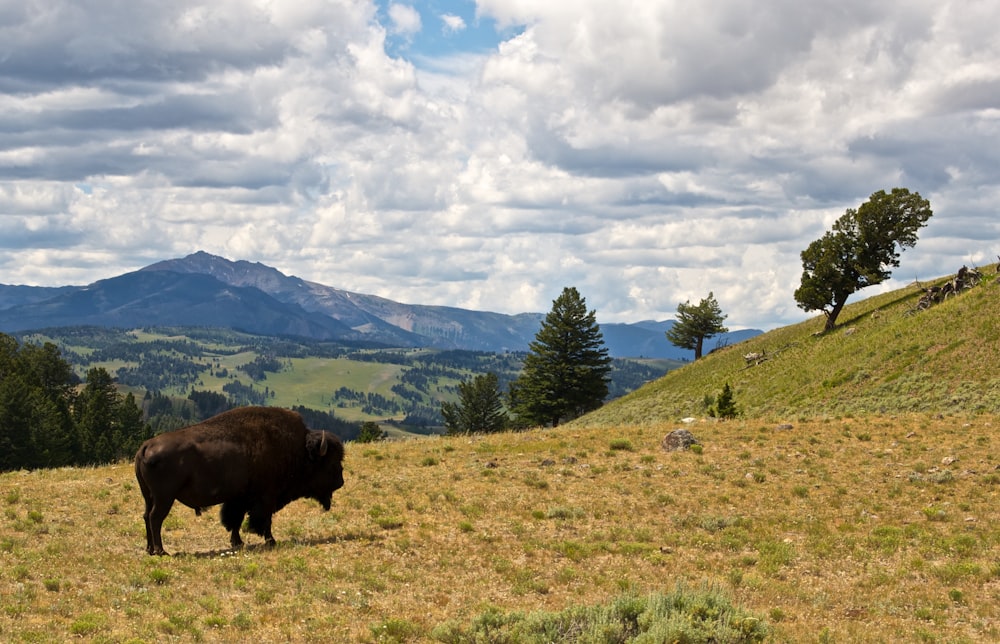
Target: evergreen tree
x,y
109,424
480,407
36,428
566,371
859,251
53,437
370,432
695,323
725,404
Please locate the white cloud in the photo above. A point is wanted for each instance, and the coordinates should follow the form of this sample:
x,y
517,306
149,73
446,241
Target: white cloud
x,y
646,153
405,19
452,23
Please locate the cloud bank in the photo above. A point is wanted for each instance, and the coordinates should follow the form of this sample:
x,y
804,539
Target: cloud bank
x,y
645,152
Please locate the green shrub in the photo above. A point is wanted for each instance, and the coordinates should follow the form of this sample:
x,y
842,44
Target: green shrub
x,y
622,444
684,615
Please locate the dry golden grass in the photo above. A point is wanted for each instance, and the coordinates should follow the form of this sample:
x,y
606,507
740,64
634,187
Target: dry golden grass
x,y
847,530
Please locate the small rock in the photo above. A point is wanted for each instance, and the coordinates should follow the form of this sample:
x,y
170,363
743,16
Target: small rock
x,y
784,427
948,460
679,439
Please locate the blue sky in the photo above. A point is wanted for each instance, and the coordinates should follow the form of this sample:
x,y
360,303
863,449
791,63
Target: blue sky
x,y
645,152
445,28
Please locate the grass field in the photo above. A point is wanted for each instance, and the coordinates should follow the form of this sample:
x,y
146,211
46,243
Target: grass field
x,y
839,530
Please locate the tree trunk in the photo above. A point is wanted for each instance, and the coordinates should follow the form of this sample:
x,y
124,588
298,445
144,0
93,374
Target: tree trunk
x,y
697,346
831,316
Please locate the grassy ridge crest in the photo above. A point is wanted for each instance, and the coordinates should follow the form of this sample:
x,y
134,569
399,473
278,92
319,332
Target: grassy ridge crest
x,y
883,358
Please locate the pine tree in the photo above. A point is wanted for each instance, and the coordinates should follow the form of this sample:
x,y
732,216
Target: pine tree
x,y
109,424
695,323
565,373
725,404
36,429
480,408
370,432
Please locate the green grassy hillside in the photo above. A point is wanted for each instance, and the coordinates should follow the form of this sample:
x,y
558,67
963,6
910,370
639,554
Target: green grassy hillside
x,y
883,358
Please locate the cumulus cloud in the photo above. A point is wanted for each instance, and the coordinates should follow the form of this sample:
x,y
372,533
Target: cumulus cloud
x,y
452,23
646,153
404,19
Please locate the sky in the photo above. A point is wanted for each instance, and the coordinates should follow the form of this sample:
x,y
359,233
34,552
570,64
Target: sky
x,y
486,154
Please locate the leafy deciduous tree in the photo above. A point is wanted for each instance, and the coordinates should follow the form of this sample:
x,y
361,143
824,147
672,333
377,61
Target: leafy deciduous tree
x,y
480,408
565,373
695,323
859,250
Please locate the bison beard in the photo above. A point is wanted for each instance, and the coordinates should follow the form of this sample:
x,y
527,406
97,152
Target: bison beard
x,y
252,460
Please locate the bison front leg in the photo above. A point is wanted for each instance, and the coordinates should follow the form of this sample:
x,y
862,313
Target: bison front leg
x,y
260,523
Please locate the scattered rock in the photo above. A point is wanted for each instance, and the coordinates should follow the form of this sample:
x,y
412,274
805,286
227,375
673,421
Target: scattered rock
x,y
548,462
679,439
687,420
784,427
948,460
850,331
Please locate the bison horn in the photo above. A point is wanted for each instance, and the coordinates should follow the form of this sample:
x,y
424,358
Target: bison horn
x,y
322,445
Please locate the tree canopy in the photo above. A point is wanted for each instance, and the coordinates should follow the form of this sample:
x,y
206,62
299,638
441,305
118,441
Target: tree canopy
x,y
45,422
480,407
860,250
695,323
565,373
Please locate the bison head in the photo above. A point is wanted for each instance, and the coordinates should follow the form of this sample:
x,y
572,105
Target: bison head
x,y
326,456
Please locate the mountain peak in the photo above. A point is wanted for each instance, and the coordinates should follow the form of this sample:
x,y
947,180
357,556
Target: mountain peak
x,y
265,298
238,273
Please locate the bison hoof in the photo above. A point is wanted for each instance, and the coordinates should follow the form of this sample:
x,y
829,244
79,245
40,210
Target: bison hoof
x,y
270,543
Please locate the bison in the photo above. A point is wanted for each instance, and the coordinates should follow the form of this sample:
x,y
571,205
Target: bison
x,y
252,460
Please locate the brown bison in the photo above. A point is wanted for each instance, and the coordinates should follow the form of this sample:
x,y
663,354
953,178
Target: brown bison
x,y
252,460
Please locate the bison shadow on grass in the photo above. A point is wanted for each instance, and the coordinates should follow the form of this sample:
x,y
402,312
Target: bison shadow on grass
x,y
252,460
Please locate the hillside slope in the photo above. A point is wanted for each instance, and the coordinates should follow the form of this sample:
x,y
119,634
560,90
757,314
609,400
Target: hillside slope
x,y
883,358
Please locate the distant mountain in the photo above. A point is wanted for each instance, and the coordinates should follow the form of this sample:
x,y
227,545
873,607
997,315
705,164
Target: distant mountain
x,y
169,299
206,290
648,339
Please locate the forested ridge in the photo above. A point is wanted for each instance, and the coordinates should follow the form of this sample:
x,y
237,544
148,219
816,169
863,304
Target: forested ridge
x,y
153,380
